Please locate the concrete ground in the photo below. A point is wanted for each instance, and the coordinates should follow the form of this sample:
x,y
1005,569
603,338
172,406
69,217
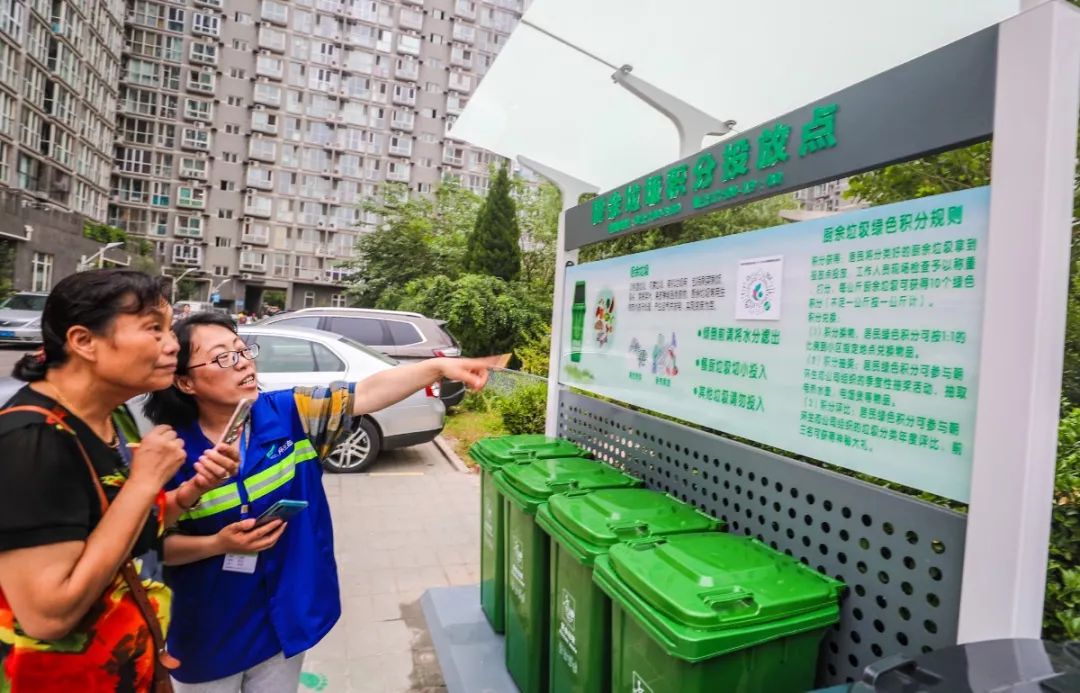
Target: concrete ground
x,y
410,524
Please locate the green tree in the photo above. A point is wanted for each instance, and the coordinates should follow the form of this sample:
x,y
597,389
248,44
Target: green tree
x,y
418,236
103,233
494,246
487,315
539,207
7,268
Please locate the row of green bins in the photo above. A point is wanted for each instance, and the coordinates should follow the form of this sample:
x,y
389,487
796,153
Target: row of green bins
x,y
713,612
491,454
582,527
527,485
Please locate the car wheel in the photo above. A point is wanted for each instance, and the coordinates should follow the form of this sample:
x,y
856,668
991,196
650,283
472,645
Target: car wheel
x,y
358,451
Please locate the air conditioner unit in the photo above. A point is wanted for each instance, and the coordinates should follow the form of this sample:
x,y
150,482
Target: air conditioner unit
x,y
245,275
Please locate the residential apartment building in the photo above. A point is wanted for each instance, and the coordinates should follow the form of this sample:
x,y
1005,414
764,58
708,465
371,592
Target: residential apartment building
x,y
59,72
247,131
827,197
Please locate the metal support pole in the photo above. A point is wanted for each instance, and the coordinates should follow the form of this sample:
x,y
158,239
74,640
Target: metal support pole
x,y
1027,273
692,124
571,189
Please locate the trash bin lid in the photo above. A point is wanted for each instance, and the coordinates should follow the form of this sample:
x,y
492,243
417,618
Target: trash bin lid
x,y
705,594
500,450
589,523
531,482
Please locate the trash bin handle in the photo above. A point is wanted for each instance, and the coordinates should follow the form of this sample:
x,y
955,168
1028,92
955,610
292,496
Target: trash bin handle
x,y
727,596
559,486
633,528
900,663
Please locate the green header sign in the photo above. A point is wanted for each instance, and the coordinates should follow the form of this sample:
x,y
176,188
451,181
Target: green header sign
x,y
913,109
743,168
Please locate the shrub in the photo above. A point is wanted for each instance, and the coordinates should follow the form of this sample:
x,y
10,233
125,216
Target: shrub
x,y
484,401
1061,613
523,409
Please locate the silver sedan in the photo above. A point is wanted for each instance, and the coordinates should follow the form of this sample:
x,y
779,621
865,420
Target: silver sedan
x,y
292,356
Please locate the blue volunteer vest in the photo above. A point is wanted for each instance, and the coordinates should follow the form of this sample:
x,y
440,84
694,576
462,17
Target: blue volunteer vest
x,y
225,622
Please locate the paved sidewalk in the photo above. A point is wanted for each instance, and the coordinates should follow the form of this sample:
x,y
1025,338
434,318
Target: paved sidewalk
x,y
411,524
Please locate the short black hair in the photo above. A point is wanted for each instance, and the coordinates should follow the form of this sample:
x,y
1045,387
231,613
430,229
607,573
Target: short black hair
x,y
170,406
92,299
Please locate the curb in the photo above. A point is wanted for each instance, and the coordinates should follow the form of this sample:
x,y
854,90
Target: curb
x,y
452,457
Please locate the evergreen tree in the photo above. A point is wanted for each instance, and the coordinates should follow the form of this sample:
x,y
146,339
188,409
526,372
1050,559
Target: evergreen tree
x,y
494,246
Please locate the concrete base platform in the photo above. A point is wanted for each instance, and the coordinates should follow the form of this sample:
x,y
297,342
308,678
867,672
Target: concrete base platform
x,y
471,654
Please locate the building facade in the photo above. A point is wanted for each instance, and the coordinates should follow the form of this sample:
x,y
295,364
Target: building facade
x,y
247,131
59,72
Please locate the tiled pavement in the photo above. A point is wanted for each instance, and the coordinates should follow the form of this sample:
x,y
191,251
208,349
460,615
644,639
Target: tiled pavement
x,y
411,524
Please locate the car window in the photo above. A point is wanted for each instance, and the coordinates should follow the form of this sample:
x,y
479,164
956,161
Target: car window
x,y
404,333
325,360
24,302
286,355
369,351
364,330
311,321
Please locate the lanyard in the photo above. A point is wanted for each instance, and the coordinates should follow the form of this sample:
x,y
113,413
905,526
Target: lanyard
x,y
125,451
245,436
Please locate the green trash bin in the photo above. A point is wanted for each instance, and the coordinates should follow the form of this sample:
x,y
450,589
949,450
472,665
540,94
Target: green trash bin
x,y
491,454
582,526
698,613
525,486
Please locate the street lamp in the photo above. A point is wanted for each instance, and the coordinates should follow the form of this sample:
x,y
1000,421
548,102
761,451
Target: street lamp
x,y
215,289
84,263
176,280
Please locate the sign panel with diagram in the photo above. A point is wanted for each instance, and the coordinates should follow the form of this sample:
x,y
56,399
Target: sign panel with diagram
x,y
852,339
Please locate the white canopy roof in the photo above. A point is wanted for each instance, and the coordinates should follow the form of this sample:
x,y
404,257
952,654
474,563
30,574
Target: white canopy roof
x,y
748,61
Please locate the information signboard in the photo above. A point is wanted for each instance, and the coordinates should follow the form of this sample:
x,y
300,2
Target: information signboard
x,y
852,339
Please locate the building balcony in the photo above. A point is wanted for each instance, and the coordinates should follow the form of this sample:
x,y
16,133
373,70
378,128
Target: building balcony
x,y
403,148
465,33
193,173
252,262
409,71
255,235
404,98
262,208
411,19
466,9
256,180
403,123
264,127
400,174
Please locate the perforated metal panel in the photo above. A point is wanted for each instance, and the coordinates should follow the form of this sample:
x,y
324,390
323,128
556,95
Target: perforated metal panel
x,y
901,558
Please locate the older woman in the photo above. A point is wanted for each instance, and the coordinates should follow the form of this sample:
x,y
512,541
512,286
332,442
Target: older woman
x,y
80,496
249,601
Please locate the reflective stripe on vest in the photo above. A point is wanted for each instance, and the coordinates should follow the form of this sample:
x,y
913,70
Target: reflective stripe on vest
x,y
258,485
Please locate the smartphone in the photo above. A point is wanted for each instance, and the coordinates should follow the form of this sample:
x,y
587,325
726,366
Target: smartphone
x,y
236,422
282,510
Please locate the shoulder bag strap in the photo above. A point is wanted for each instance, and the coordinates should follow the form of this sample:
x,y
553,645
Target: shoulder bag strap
x,y
163,661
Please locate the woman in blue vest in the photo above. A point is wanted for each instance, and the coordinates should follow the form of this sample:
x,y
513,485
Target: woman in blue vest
x,y
249,601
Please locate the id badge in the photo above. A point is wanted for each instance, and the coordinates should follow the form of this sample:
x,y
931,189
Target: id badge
x,y
240,562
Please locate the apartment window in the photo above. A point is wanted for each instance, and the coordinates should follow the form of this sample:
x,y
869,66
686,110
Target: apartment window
x,y
242,46
169,106
237,73
303,22
243,18
208,24
228,185
196,109
423,188
9,61
432,88
43,270
170,77
5,163
190,167
204,53
176,19
187,254
132,160
173,48
11,19
160,193
338,301
221,271
230,157
438,14
189,226
232,129
225,214
201,80
141,72
196,139
309,299
31,129
191,197
435,39
275,11
222,242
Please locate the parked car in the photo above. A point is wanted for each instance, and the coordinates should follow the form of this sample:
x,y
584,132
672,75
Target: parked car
x,y
295,356
400,335
290,356
20,318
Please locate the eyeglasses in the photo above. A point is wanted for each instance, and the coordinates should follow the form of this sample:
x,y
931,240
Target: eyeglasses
x,y
229,359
